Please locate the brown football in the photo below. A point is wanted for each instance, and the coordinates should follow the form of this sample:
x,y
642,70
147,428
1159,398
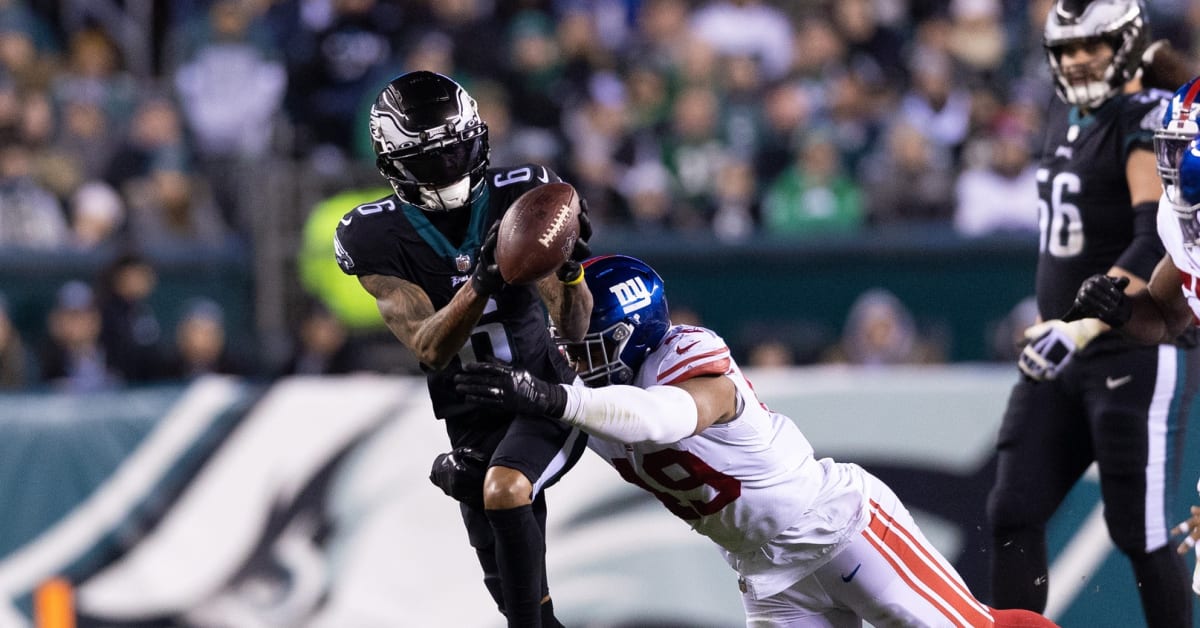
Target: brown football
x,y
537,233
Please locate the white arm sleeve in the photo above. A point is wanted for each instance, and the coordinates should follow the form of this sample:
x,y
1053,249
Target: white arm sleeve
x,y
628,414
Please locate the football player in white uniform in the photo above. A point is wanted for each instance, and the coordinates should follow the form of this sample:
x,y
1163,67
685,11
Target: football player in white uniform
x,y
816,542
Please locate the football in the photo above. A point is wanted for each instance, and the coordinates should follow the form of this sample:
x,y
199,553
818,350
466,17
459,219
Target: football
x,y
537,233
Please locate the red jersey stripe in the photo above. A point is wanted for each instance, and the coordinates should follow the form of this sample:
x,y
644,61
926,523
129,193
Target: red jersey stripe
x,y
913,558
691,360
904,574
929,558
716,367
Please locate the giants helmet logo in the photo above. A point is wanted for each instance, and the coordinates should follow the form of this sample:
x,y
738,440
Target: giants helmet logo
x,y
632,294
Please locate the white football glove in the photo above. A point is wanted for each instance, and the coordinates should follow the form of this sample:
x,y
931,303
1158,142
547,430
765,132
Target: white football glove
x,y
1052,344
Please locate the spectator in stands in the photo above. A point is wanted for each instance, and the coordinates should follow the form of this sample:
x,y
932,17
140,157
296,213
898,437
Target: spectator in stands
x,y
770,353
694,152
911,181
201,346
742,90
535,81
335,78
977,39
879,331
130,330
322,346
172,208
750,28
30,216
96,97
476,34
787,114
814,196
73,358
871,46
26,42
1001,195
853,110
97,216
646,189
936,104
14,360
231,88
154,142
597,127
87,139
663,34
583,54
736,210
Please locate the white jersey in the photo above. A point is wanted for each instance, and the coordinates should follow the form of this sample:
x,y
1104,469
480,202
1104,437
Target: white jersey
x,y
1171,234
751,485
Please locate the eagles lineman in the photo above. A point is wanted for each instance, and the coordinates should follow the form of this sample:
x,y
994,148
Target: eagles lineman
x,y
1116,403
426,253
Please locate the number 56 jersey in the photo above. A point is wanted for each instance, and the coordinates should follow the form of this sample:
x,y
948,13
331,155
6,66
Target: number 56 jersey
x,y
752,485
1084,208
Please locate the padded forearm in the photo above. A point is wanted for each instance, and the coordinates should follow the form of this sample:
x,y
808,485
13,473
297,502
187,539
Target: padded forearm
x,y
1146,248
628,414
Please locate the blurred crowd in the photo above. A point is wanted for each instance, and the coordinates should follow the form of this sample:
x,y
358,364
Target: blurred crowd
x,y
126,131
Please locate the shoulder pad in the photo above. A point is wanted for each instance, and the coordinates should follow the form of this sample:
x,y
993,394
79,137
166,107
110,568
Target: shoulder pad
x,y
688,352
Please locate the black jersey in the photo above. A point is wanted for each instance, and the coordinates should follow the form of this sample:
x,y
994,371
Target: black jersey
x,y
1084,207
394,238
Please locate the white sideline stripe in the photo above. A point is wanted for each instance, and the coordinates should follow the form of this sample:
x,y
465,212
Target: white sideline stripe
x,y
960,588
938,600
1156,455
132,481
1077,563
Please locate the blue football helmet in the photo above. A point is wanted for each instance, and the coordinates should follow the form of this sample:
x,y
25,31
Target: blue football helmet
x,y
1180,126
629,319
1189,178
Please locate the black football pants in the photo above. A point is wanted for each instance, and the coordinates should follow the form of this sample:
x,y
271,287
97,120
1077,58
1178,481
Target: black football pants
x,y
1126,410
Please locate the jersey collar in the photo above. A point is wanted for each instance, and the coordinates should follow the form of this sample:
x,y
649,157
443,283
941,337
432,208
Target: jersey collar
x,y
438,242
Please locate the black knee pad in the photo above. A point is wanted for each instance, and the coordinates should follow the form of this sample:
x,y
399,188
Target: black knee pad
x,y
460,474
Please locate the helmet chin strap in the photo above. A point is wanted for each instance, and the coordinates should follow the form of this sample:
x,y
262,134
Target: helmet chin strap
x,y
446,198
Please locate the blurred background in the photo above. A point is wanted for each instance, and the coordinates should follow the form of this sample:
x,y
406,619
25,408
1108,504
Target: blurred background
x,y
843,189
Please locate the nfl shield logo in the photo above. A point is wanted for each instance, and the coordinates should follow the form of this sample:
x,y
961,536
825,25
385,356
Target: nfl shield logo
x,y
463,262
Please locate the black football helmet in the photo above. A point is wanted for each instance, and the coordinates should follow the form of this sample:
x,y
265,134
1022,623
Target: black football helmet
x,y
429,140
1122,23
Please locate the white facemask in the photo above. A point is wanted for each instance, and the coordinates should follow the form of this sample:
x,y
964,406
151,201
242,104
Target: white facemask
x,y
448,197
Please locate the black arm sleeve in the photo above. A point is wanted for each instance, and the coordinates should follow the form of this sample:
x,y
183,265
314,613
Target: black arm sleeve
x,y
1146,249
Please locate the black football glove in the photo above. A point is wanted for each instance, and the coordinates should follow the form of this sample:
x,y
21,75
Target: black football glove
x,y
1103,297
460,474
572,270
513,389
486,279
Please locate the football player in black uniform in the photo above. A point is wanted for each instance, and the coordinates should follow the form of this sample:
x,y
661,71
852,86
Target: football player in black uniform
x,y
1116,403
426,253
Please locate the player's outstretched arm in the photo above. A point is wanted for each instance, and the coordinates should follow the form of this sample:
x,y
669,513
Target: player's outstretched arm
x,y
627,414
